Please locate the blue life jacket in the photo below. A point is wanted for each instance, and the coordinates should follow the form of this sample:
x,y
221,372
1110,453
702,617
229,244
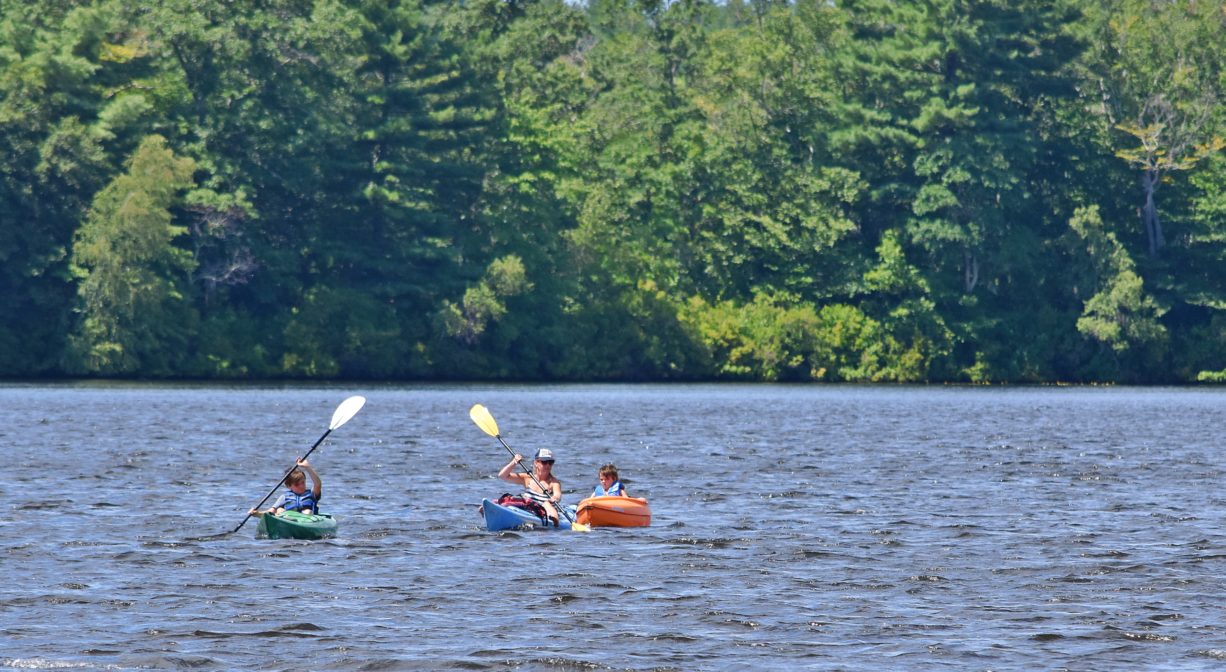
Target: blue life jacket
x,y
614,490
291,501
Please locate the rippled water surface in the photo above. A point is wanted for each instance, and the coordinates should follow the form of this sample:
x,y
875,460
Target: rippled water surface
x,y
817,527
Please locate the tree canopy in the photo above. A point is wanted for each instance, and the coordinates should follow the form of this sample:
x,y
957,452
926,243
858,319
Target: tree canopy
x,y
943,190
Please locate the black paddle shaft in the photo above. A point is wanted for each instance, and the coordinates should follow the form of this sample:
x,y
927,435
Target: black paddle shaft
x,y
278,485
531,475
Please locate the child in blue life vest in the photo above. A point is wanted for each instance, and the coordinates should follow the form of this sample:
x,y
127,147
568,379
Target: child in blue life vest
x,y
609,484
297,497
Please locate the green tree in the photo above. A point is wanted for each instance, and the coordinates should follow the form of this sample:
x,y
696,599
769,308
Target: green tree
x,y
1120,313
421,121
483,303
396,214
136,313
948,114
630,223
972,75
1159,70
63,118
531,55
913,341
1197,320
773,207
254,94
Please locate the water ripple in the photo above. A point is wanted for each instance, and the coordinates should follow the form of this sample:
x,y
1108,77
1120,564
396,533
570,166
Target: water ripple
x,y
900,528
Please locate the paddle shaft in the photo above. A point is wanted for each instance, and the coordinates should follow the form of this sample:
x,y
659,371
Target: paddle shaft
x,y
278,485
558,505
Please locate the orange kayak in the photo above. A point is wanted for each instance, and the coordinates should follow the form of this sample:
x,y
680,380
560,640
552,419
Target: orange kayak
x,y
614,512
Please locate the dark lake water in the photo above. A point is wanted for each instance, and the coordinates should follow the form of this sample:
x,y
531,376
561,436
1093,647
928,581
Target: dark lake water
x,y
795,527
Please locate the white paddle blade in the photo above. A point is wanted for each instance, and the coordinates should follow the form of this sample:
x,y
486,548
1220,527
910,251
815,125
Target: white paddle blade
x,y
346,411
484,420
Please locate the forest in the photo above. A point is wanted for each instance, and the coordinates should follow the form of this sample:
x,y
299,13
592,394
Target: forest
x,y
963,191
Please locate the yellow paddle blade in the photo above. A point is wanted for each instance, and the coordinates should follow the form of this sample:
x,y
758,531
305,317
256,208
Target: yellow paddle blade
x,y
481,416
580,527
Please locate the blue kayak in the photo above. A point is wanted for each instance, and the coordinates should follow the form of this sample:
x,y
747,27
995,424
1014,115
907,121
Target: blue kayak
x,y
499,517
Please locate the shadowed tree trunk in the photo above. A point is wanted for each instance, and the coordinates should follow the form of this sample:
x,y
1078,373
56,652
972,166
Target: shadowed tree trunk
x,y
1153,226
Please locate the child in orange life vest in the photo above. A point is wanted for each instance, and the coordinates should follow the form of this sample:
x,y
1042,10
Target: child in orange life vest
x,y
297,498
542,470
609,484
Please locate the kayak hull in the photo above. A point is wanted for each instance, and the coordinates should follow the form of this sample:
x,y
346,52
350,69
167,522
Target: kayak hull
x,y
294,525
614,511
498,517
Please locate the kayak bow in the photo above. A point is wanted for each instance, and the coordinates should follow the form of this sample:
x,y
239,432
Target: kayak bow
x,y
295,525
614,511
499,517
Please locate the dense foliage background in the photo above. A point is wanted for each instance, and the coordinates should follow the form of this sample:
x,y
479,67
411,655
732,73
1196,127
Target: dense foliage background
x,y
863,190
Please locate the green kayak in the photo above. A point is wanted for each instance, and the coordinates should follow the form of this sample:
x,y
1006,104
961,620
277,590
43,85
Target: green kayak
x,y
294,525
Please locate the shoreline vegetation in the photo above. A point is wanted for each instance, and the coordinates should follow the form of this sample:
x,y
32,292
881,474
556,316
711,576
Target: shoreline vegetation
x,y
543,191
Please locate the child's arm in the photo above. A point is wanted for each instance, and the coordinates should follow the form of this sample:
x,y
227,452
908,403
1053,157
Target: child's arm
x,y
272,509
317,486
